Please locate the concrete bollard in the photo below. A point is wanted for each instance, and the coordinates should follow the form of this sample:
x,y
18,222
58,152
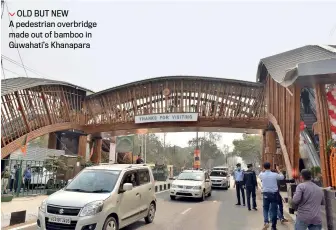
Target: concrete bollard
x,y
330,202
290,191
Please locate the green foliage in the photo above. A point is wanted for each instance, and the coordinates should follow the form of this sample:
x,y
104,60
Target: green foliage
x,y
330,144
315,171
53,163
248,148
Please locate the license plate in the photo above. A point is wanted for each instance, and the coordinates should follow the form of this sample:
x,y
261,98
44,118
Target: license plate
x,y
60,220
184,191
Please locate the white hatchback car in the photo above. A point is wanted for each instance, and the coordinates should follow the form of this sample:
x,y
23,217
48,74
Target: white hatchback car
x,y
220,179
191,183
101,197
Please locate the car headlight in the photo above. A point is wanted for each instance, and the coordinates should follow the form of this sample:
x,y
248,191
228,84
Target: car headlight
x,y
173,186
198,187
43,205
92,208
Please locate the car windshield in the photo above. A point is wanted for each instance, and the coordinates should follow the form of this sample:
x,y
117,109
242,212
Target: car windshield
x,y
94,181
218,173
197,176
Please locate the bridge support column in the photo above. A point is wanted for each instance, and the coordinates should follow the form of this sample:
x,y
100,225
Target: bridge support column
x,y
52,141
263,157
325,132
82,143
270,151
97,148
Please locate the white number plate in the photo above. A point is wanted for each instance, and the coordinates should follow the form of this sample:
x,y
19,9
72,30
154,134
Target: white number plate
x,y
184,191
60,220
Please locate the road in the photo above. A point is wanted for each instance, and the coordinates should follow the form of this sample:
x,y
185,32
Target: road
x,y
217,212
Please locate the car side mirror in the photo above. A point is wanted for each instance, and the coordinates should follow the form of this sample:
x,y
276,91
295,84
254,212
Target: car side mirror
x,y
127,187
207,180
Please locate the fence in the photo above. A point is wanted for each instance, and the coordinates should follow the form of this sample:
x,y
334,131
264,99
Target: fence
x,y
31,177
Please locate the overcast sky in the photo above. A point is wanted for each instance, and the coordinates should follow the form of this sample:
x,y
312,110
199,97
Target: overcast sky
x,y
139,40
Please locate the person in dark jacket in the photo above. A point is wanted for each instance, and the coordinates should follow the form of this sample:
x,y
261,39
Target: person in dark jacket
x,y
251,184
139,160
305,101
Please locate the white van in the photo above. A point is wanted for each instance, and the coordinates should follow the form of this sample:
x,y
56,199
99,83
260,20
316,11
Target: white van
x,y
101,197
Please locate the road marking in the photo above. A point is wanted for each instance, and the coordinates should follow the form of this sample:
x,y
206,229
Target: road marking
x,y
162,191
23,227
185,211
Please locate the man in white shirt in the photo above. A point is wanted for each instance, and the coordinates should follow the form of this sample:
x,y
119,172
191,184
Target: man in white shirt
x,y
269,182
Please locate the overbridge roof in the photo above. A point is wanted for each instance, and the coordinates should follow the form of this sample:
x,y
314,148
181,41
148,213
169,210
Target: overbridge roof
x,y
280,64
178,77
10,85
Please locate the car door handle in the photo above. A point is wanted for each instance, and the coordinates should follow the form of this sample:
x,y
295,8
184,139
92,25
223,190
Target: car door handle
x,y
150,189
138,194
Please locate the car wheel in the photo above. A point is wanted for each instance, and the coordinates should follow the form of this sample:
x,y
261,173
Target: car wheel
x,y
151,213
110,224
172,197
203,196
49,184
209,194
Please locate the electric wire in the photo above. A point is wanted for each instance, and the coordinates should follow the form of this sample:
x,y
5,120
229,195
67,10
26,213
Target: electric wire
x,y
26,67
15,41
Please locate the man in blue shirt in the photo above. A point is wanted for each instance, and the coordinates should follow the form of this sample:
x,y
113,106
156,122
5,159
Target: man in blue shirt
x,y
270,190
238,176
27,177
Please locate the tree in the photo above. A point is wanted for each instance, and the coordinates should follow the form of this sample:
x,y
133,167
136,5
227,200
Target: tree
x,y
248,148
210,152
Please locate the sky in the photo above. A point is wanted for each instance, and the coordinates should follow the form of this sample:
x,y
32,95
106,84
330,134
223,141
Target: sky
x,y
139,40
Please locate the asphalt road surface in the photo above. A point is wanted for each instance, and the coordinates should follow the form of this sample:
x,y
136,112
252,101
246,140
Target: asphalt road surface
x,y
217,212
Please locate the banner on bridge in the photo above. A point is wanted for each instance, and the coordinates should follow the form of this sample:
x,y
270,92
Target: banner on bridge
x,y
169,117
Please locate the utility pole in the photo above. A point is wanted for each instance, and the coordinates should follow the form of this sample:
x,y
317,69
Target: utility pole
x,y
142,146
146,148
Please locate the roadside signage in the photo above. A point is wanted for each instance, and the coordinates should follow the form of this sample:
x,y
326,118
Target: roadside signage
x,y
197,158
169,117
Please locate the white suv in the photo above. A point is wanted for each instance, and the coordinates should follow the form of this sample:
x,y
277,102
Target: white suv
x,y
101,197
191,183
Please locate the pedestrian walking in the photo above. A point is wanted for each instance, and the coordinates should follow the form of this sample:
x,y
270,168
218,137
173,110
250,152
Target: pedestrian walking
x,y
270,191
308,198
238,176
251,185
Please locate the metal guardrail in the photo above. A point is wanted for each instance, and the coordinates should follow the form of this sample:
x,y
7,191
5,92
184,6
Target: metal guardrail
x,y
311,149
29,177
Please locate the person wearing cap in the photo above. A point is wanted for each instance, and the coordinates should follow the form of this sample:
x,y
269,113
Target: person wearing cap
x,y
251,184
270,191
238,177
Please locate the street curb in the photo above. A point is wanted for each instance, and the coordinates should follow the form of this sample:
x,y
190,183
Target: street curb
x,y
20,217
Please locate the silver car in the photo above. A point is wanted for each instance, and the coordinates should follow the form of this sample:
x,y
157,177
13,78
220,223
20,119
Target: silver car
x,y
101,197
220,179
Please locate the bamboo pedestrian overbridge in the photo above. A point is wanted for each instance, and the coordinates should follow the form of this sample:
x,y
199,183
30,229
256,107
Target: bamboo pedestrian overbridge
x,y
32,107
43,106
